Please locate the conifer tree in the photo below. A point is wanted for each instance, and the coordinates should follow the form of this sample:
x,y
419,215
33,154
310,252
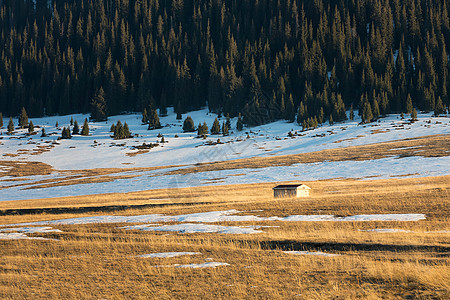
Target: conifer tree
x,y
188,125
439,108
215,128
10,126
112,128
153,120
85,128
71,121
352,113
366,115
239,123
144,116
43,134
98,106
375,110
126,131
224,129
23,118
228,121
56,124
414,115
65,134
409,105
76,128
30,127
1,120
202,129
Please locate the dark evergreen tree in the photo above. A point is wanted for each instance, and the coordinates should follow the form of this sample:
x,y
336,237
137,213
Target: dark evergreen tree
x,y
10,126
65,134
228,121
85,128
202,129
30,127
239,124
23,118
224,129
1,120
439,109
215,128
352,113
414,114
144,116
126,131
43,134
98,106
409,105
153,120
366,115
76,128
188,125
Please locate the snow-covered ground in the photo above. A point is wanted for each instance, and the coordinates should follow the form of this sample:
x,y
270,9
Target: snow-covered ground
x,y
99,150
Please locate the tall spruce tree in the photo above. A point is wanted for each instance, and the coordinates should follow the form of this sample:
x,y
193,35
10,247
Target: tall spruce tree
x,y
98,106
85,129
215,128
23,118
76,128
10,126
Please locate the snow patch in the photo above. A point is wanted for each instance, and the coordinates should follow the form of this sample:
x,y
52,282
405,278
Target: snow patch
x,y
211,264
196,228
20,236
317,253
213,217
167,254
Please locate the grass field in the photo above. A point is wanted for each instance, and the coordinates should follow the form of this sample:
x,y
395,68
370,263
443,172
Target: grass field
x,y
98,261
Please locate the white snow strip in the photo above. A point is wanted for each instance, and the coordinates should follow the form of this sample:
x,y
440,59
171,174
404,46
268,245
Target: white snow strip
x,y
214,216
30,229
167,254
196,228
211,264
318,253
19,236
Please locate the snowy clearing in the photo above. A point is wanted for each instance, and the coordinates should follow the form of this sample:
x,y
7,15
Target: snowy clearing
x,y
100,150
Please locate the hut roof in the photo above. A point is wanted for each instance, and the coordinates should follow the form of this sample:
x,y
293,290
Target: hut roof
x,y
291,186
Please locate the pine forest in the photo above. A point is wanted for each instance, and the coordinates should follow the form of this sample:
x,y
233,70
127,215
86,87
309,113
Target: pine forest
x,y
298,60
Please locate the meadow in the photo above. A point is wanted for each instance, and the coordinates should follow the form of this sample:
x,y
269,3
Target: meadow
x,y
341,260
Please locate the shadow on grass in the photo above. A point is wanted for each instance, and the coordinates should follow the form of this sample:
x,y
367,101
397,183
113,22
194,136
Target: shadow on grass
x,y
73,210
345,247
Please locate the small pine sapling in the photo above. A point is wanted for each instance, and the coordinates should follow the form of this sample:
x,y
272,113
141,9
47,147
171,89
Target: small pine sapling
x,y
10,126
43,134
30,127
76,128
85,129
1,120
23,118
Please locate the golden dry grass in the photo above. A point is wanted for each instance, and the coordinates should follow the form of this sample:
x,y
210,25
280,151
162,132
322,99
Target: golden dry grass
x,y
98,261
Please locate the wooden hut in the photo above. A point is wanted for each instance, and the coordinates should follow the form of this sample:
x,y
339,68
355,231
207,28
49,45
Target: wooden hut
x,y
291,190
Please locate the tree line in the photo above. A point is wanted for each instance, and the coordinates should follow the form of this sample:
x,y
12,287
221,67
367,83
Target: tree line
x,y
300,60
